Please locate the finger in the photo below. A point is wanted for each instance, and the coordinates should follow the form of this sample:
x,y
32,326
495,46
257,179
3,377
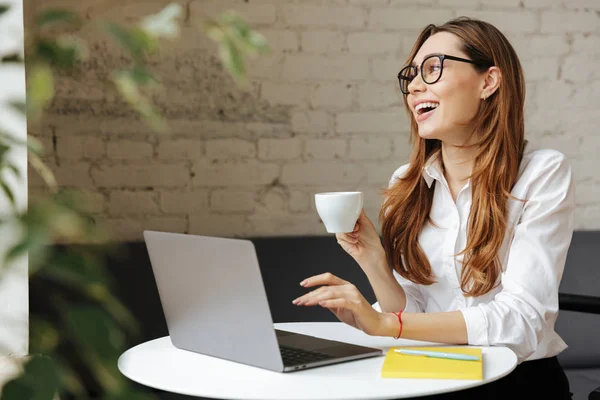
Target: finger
x,y
328,292
350,240
303,299
337,303
323,279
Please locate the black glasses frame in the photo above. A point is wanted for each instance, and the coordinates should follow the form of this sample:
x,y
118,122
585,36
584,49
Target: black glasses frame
x,y
441,57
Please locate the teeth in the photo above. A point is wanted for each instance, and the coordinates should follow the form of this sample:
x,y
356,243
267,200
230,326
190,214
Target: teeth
x,y
423,105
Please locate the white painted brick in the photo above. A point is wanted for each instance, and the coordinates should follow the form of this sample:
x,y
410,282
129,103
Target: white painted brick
x,y
372,3
306,15
584,169
535,4
222,225
518,21
232,200
586,44
132,202
339,67
128,150
241,173
253,13
76,175
91,201
540,69
586,217
373,43
321,172
536,46
266,66
585,97
454,3
280,149
125,229
501,3
582,4
299,201
370,148
569,21
181,202
180,149
386,71
394,3
551,96
287,225
569,145
590,147
333,95
325,149
77,147
146,175
322,42
281,41
375,95
311,122
223,149
372,122
588,193
407,18
582,68
402,148
272,201
380,172
165,224
285,93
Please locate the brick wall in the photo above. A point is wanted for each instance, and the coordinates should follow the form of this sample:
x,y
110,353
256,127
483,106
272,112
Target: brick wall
x,y
323,112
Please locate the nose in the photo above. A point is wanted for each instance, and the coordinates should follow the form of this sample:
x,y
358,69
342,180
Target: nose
x,y
416,85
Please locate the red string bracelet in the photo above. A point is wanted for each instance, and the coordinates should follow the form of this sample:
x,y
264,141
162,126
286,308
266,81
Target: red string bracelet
x,y
399,315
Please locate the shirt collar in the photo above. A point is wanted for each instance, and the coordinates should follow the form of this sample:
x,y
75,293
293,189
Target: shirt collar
x,y
433,168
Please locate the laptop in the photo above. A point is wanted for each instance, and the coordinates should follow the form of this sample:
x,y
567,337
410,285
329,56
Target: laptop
x,y
215,304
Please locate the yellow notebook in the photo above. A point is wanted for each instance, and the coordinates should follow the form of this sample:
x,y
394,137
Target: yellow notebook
x,y
397,365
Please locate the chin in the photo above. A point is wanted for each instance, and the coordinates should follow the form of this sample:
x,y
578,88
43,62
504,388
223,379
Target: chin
x,y
428,133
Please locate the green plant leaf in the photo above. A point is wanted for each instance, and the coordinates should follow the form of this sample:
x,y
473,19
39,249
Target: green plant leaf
x,y
56,15
135,40
19,106
41,380
8,192
43,335
41,88
99,342
164,23
4,8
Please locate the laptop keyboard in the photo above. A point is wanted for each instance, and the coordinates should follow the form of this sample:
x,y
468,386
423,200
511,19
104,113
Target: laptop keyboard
x,y
295,356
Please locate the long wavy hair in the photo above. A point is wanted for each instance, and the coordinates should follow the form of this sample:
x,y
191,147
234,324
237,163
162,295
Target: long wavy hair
x,y
499,139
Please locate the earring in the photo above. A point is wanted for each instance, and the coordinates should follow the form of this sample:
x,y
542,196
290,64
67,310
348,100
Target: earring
x,y
484,97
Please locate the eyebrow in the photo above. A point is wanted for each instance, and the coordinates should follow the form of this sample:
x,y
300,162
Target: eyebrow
x,y
424,57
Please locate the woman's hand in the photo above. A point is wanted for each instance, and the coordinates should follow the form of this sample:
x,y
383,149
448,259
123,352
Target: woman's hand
x,y
344,300
363,244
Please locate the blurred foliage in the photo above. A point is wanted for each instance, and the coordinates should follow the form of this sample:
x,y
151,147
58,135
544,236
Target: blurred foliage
x,y
83,329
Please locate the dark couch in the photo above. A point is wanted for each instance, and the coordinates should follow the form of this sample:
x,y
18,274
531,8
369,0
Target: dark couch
x,y
285,261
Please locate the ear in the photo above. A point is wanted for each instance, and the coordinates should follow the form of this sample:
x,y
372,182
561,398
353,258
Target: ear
x,y
492,80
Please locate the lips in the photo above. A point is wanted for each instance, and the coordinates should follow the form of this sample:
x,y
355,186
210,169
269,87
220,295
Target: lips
x,y
420,117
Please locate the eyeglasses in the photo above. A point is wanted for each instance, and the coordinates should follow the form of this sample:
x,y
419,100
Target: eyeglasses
x,y
431,70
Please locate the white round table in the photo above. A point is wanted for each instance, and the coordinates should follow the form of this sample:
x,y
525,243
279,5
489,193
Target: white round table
x,y
160,365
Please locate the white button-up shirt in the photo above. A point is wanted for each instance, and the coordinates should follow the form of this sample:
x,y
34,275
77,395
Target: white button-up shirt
x,y
520,313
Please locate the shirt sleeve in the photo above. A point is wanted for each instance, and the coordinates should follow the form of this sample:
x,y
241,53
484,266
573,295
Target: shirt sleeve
x,y
414,298
528,301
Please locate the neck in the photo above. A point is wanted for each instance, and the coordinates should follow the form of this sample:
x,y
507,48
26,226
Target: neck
x,y
457,162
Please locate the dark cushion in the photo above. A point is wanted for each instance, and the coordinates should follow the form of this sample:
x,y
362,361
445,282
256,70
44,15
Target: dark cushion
x,y
581,276
583,381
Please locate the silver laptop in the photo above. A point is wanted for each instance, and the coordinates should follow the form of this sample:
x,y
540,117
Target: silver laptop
x,y
215,303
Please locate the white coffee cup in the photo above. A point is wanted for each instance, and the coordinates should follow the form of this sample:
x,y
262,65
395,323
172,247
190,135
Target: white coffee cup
x,y
339,211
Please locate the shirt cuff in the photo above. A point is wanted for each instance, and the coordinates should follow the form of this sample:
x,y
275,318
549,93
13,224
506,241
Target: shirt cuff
x,y
476,326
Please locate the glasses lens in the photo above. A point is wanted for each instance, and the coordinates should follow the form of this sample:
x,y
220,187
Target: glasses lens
x,y
405,77
432,69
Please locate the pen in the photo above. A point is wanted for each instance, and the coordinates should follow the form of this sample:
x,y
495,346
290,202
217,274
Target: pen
x,y
437,354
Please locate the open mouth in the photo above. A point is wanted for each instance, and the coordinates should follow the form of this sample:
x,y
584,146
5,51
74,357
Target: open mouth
x,y
424,108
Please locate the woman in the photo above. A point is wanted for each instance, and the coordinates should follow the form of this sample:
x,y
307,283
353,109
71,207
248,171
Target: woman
x,y
476,227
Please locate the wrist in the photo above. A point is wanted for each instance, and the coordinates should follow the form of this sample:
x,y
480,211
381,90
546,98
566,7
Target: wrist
x,y
390,326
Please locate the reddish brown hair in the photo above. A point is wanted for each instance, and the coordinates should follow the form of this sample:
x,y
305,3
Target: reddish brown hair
x,y
499,138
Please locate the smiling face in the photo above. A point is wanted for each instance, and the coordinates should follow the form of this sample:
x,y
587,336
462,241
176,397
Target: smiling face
x,y
456,96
